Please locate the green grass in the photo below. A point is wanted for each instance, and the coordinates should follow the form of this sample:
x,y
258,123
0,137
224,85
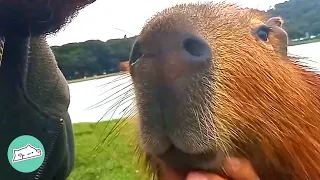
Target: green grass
x,y
94,77
115,160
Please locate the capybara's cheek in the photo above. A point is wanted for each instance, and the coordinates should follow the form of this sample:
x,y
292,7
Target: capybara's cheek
x,y
208,87
269,46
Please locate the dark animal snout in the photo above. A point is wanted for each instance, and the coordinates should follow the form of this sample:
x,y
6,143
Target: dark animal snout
x,y
197,50
173,55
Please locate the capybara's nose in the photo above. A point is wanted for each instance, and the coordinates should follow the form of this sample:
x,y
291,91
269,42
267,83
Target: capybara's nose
x,y
195,50
173,55
183,55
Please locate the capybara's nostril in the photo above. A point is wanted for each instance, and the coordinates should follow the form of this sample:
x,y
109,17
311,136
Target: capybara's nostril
x,y
198,50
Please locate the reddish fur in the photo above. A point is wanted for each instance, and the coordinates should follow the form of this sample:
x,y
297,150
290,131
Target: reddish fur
x,y
286,137
262,81
268,108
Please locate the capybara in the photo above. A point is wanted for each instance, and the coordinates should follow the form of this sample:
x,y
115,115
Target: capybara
x,y
209,84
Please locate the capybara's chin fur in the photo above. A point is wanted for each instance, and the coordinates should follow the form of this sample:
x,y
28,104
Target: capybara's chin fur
x,y
248,102
37,17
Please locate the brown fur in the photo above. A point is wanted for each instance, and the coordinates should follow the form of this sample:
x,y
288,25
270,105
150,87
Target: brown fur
x,y
280,40
37,17
248,103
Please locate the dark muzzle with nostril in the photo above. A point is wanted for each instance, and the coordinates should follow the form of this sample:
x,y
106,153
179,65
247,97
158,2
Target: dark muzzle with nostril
x,y
174,55
198,50
170,66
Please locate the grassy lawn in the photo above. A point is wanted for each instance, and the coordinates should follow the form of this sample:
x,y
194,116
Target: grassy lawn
x,y
115,160
94,77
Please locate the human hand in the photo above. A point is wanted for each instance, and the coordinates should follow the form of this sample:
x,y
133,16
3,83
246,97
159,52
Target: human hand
x,y
237,169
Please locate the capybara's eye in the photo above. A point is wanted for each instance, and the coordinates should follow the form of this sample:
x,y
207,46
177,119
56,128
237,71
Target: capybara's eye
x,y
262,33
135,53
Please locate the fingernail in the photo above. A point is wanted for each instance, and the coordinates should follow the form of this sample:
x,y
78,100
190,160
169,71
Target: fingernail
x,y
196,176
232,165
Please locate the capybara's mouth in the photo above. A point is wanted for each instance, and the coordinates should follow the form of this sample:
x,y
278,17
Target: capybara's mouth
x,y
182,162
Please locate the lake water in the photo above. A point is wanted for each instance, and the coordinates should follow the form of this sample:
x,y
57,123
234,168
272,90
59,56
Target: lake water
x,y
107,92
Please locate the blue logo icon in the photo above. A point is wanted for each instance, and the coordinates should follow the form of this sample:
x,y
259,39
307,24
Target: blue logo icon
x,y
26,154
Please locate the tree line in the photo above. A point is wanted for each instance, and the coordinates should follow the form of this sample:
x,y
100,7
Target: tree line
x,y
94,57
300,17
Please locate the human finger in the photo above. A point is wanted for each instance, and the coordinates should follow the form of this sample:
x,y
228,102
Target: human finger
x,y
239,169
203,176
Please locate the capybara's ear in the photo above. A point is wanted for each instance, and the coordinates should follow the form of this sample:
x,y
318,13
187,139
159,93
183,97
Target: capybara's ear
x,y
36,17
275,21
278,36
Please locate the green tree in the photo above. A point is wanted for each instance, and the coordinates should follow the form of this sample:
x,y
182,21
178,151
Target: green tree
x,y
300,16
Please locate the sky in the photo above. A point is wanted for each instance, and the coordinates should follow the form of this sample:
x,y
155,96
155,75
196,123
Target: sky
x,y
108,19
